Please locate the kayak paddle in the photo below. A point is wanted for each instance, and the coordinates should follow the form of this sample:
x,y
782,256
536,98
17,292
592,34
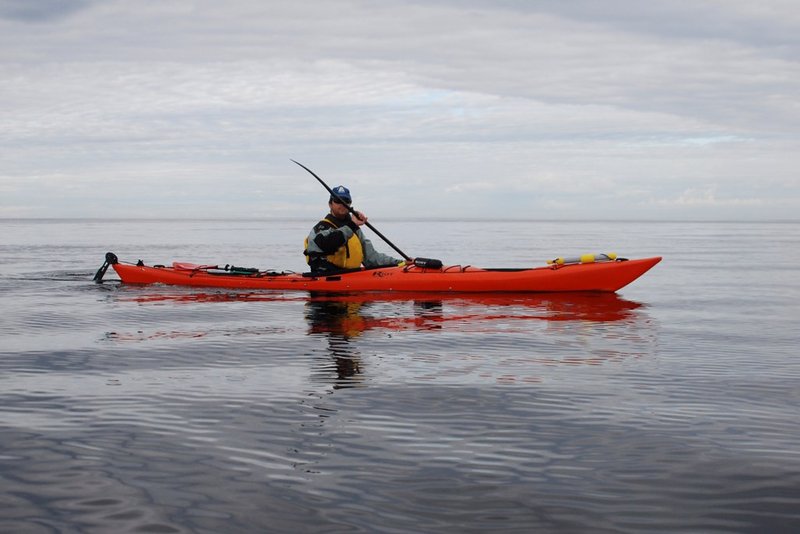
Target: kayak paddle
x,y
351,210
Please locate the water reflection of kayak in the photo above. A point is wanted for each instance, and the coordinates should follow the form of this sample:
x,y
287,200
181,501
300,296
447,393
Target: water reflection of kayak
x,y
353,314
350,312
342,319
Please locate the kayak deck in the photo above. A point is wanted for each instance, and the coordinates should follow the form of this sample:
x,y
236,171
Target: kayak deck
x,y
607,276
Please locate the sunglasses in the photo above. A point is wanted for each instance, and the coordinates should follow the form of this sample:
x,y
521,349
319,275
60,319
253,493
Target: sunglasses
x,y
337,201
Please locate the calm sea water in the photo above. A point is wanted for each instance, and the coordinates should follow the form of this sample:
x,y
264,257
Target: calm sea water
x,y
670,407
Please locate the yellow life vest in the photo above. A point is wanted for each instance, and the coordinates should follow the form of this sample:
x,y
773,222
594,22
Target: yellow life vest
x,y
348,256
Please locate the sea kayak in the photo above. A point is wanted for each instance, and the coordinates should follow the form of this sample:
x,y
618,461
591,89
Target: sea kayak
x,y
606,276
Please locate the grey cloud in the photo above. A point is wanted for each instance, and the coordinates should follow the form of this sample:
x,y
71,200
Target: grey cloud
x,y
769,23
40,10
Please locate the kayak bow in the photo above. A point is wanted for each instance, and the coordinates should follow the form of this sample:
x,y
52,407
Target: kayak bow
x,y
607,276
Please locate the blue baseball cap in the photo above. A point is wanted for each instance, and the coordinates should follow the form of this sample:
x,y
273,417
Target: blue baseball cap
x,y
343,193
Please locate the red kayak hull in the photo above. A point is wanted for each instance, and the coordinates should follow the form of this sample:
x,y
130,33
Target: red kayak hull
x,y
606,276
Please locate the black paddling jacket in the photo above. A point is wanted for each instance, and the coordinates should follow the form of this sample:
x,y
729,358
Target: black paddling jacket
x,y
340,243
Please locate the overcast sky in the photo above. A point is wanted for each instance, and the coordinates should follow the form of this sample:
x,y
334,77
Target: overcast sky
x,y
576,109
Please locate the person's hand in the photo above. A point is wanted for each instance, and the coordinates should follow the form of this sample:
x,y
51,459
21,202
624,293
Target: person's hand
x,y
359,218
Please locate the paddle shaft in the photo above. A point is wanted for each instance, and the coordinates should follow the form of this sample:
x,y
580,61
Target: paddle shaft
x,y
351,210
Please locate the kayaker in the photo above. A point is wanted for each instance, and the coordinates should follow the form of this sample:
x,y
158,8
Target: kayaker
x,y
337,242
